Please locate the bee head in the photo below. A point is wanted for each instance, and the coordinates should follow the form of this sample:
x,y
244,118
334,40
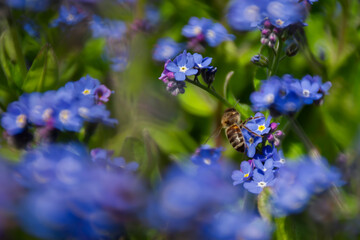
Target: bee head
x,y
230,117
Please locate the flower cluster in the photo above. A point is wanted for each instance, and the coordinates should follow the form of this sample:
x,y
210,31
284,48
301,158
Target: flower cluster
x,y
298,181
184,65
244,15
261,171
287,95
65,109
70,197
204,30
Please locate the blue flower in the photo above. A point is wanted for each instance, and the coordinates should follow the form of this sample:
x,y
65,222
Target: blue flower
x,y
261,125
267,166
15,119
216,34
206,156
67,117
260,181
69,16
244,175
307,90
201,62
107,28
267,153
182,66
196,27
279,159
102,158
267,95
251,142
166,48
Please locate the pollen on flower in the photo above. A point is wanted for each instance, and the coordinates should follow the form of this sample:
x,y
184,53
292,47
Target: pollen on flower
x,y
21,120
251,140
86,92
261,127
279,22
64,116
183,69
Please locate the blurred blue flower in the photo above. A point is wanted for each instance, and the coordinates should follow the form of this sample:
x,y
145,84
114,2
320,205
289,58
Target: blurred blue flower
x,y
201,62
107,28
216,34
187,198
182,66
245,15
15,119
260,125
68,16
298,181
206,156
67,117
196,27
166,48
119,63
267,166
35,5
245,173
102,158
228,225
260,181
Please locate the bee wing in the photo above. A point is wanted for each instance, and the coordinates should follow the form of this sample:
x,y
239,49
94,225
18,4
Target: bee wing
x,y
216,133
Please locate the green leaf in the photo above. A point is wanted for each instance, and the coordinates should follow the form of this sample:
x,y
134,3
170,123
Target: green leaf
x,y
198,102
245,110
260,74
43,74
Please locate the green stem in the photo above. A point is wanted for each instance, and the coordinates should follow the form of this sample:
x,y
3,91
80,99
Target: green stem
x,y
275,62
209,90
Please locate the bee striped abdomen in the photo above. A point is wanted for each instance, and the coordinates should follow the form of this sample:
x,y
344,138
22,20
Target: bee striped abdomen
x,y
235,137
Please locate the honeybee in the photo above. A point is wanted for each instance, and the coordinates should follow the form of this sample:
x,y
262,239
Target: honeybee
x,y
233,126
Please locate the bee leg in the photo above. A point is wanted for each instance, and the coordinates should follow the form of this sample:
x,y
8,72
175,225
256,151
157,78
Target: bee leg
x,y
252,132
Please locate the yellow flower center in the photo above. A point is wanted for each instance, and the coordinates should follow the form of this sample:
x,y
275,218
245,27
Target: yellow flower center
x,y
86,91
183,69
246,175
251,140
279,22
21,120
261,127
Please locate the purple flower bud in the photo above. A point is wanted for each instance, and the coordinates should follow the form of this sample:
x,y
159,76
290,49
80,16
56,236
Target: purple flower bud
x,y
277,142
279,133
265,32
273,126
264,41
102,94
270,138
272,37
267,24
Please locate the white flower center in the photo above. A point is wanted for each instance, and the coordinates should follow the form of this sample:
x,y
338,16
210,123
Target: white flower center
x,y
207,161
251,13
183,69
197,30
306,93
262,184
83,112
70,17
282,161
269,98
47,114
210,33
168,51
64,116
